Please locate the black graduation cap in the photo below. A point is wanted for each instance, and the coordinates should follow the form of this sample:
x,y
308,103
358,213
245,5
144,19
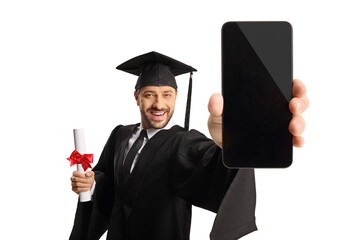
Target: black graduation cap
x,y
156,69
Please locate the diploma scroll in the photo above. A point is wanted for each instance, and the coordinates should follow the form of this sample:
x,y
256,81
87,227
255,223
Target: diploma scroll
x,y
79,139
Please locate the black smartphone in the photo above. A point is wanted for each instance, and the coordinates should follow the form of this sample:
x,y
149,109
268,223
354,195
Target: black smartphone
x,y
257,88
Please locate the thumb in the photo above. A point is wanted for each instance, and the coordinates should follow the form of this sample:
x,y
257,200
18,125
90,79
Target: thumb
x,y
215,105
89,174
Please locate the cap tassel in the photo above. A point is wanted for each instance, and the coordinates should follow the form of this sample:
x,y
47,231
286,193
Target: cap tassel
x,y
188,103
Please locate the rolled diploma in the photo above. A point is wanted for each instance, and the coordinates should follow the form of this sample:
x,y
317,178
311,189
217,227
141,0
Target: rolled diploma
x,y
79,139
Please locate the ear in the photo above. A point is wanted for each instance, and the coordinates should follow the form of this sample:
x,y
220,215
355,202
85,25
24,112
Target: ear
x,y
136,98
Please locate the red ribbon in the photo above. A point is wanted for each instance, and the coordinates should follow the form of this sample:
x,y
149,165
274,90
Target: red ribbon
x,y
84,159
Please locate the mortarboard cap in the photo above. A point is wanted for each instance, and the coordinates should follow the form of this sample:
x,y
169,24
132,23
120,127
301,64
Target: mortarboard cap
x,y
156,69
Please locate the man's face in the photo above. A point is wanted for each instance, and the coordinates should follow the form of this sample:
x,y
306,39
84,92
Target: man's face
x,y
156,105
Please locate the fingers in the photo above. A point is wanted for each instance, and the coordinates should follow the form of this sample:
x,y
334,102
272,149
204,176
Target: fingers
x,y
298,141
78,174
78,179
297,125
78,190
215,105
299,89
80,186
298,105
81,182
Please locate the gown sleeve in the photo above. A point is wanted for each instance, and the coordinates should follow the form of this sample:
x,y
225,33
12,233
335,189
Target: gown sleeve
x,y
200,178
91,218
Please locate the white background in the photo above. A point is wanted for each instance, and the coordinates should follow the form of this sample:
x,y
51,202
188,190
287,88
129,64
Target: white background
x,y
57,72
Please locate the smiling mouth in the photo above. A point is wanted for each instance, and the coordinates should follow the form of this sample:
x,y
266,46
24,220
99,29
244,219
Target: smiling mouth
x,y
157,115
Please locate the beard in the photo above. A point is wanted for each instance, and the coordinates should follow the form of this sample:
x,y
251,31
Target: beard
x,y
150,124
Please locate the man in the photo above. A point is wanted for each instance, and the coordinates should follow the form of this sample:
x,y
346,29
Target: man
x,y
150,174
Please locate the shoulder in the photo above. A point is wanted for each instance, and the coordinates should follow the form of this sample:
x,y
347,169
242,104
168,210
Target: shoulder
x,y
193,145
191,138
193,133
120,127
121,130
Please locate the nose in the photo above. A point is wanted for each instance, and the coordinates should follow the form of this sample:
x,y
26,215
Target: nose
x,y
159,102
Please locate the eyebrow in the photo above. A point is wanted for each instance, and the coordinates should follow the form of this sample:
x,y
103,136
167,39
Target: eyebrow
x,y
148,91
151,91
168,91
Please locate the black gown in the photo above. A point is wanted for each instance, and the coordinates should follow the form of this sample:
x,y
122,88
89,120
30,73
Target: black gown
x,y
175,170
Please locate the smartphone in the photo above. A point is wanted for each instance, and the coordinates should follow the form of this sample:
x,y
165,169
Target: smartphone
x,y
257,88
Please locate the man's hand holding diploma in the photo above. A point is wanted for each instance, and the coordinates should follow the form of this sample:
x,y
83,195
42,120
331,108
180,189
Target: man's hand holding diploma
x,y
81,182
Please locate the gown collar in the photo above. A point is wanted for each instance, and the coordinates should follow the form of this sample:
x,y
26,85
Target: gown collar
x,y
152,131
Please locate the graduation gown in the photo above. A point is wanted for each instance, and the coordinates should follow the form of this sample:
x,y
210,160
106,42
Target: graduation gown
x,y
175,170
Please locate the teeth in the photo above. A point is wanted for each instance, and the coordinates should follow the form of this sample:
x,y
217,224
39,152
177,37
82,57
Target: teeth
x,y
159,114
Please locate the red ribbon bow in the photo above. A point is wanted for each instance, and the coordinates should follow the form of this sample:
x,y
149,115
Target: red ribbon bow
x,y
84,159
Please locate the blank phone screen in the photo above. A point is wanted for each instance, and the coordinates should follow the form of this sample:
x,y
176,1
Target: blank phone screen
x,y
257,88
